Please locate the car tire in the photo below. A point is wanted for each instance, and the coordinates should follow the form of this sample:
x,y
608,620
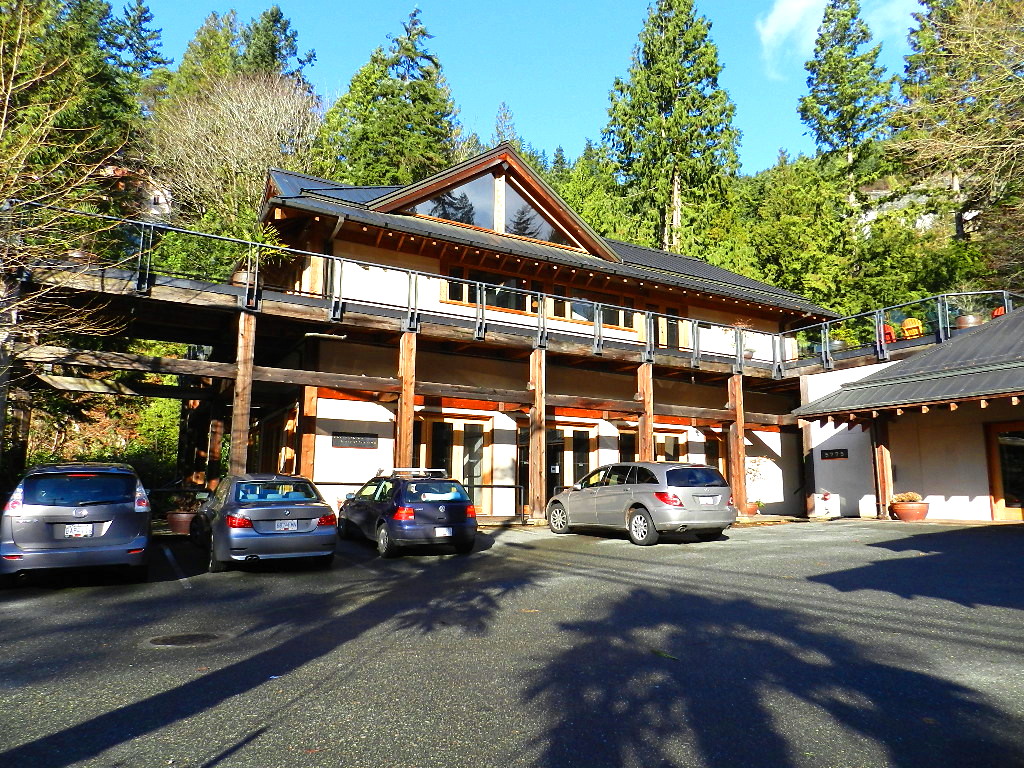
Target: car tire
x,y
709,535
345,529
558,519
213,565
464,547
641,528
195,532
386,546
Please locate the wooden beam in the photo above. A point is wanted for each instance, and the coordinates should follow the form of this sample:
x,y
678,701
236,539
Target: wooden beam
x,y
406,400
122,361
238,458
737,447
881,456
307,431
645,393
538,433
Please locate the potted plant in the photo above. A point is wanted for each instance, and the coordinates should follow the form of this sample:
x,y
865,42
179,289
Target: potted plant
x,y
908,507
970,309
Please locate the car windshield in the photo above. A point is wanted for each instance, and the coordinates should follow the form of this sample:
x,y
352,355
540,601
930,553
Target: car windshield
x,y
435,490
695,477
76,489
276,490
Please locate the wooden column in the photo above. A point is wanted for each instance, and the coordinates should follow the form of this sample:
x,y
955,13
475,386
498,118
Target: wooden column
x,y
882,460
307,431
216,441
538,433
21,422
645,393
737,448
242,401
406,400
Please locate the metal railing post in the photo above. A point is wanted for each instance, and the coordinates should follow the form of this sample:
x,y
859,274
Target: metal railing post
x,y
648,337
826,347
598,346
695,343
737,335
541,341
881,349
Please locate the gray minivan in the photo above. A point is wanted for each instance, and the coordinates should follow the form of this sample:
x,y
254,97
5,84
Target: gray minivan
x,y
74,515
646,499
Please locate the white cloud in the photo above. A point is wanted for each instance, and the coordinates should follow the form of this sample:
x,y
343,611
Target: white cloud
x,y
788,30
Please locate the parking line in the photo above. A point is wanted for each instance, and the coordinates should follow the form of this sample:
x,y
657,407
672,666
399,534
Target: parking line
x,y
182,578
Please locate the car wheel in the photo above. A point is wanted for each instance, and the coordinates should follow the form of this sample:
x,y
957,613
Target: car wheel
x,y
386,546
137,574
345,529
558,519
213,565
711,535
641,528
464,547
195,531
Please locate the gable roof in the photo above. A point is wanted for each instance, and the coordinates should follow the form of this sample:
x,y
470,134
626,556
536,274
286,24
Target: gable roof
x,y
984,362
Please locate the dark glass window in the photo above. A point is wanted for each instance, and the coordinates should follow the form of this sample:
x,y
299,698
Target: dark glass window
x,y
441,446
627,446
469,203
79,489
580,454
594,479
434,490
618,475
473,457
644,476
276,491
1011,461
524,220
671,448
695,477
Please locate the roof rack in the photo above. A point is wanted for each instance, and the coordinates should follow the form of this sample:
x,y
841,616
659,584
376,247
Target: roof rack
x,y
415,472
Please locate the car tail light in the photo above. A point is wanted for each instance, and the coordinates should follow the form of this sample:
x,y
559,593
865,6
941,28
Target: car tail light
x,y
14,503
470,511
731,503
668,498
331,519
13,557
405,513
141,500
236,521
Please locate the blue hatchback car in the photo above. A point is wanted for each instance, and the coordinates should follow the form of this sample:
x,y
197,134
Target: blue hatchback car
x,y
410,506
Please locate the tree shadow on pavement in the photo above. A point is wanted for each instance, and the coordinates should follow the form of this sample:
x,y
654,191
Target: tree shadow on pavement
x,y
945,564
663,679
463,592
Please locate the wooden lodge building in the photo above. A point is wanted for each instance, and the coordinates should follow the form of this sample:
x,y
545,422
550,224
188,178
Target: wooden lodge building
x,y
475,322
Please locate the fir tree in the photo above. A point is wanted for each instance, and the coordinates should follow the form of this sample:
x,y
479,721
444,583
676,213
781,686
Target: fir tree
x,y
397,122
591,191
213,54
270,45
670,129
138,44
505,131
849,96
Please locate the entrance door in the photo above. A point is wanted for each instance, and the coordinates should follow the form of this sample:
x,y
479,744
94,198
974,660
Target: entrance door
x,y
1006,469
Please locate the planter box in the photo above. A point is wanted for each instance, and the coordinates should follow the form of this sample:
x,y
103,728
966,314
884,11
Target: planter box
x,y
179,522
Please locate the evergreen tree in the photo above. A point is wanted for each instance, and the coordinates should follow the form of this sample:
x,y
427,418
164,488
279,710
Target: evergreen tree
x,y
397,123
270,45
505,131
849,96
138,44
213,54
560,169
670,129
591,191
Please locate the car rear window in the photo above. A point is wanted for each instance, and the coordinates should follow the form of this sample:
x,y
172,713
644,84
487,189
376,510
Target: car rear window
x,y
261,491
434,490
695,477
75,489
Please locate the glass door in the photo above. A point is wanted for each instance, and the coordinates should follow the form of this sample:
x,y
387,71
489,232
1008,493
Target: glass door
x,y
1006,469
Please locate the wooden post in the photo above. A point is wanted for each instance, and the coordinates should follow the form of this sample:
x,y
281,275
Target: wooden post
x,y
21,421
737,447
242,402
197,424
307,431
645,391
216,441
882,459
538,433
406,400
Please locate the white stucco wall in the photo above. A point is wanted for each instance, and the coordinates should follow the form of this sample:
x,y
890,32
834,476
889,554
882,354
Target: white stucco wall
x,y
336,469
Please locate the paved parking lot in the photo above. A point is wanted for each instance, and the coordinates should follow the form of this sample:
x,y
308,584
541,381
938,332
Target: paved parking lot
x,y
849,643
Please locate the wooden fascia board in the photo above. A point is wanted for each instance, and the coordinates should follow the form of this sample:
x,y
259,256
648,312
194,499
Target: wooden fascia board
x,y
868,412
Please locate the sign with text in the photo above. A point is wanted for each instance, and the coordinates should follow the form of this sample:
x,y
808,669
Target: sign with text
x,y
353,440
835,453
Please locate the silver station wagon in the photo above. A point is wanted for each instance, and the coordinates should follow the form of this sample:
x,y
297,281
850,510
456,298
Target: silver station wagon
x,y
647,499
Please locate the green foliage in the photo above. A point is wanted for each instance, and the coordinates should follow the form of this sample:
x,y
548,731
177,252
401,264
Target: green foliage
x,y
397,123
270,45
670,130
849,96
213,54
591,190
505,131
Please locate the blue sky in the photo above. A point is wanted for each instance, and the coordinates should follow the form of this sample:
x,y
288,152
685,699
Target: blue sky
x,y
554,61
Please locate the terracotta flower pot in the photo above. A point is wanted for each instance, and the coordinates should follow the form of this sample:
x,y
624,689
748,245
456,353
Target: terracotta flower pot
x,y
909,511
968,321
750,509
179,522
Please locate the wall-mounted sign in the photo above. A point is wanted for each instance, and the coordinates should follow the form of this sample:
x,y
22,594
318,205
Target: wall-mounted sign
x,y
353,440
835,453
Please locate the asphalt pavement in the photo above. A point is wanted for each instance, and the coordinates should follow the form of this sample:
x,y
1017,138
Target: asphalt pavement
x,y
851,643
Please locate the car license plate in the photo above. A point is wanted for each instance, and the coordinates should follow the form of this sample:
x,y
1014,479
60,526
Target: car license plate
x,y
442,532
286,525
707,499
78,530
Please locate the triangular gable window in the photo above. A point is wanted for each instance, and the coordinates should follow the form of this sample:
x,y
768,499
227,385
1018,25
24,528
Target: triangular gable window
x,y
494,203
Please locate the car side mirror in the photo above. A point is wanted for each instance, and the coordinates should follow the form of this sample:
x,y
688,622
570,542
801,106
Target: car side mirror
x,y
577,486
349,496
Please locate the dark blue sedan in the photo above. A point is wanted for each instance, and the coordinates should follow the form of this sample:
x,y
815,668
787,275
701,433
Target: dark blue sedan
x,y
409,507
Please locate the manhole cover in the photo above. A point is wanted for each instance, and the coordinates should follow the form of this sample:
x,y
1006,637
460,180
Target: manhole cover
x,y
178,641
